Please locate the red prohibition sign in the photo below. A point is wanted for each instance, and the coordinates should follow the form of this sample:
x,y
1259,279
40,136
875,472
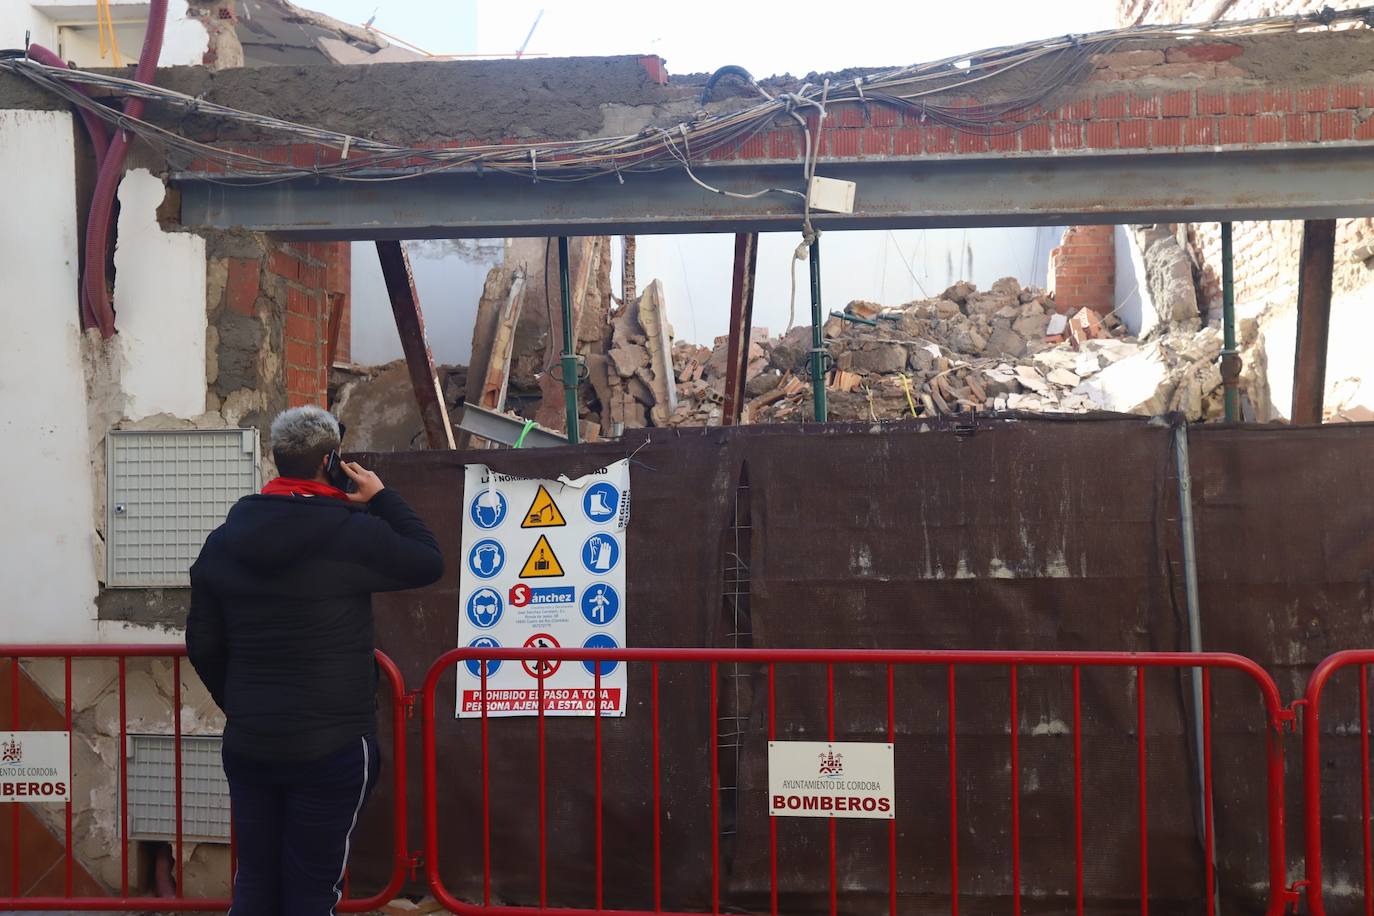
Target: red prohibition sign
x,y
539,670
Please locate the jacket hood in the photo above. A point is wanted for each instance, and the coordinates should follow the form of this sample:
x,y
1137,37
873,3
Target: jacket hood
x,y
268,533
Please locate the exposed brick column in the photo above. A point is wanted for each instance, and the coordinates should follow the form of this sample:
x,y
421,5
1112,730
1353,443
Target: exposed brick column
x,y
1083,269
302,267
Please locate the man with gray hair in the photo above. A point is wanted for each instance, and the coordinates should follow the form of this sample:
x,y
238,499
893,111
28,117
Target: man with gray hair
x,y
280,631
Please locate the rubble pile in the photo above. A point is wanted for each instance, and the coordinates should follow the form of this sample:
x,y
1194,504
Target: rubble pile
x,y
632,375
1006,348
1003,349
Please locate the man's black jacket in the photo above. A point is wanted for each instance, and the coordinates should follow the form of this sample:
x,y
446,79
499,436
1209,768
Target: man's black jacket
x,y
280,628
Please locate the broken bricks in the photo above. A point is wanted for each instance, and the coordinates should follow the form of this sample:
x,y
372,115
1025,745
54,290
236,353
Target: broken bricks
x,y
1007,348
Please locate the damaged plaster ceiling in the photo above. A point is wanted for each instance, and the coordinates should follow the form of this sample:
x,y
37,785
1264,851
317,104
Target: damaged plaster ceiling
x,y
278,33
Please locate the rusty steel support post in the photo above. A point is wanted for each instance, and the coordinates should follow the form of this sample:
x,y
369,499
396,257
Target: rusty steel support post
x,y
410,324
629,288
741,324
335,301
568,363
820,357
1230,359
1314,319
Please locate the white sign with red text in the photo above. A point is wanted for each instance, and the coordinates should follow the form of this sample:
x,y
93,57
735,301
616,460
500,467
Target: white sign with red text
x,y
543,567
35,767
831,779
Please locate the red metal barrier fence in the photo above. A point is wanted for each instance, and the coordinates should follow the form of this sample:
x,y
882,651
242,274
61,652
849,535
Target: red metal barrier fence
x,y
533,807
1321,777
1316,772
11,897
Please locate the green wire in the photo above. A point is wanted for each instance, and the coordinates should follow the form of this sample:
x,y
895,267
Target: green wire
x,y
529,425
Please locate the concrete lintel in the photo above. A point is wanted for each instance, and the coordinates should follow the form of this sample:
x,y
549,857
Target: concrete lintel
x,y
1314,182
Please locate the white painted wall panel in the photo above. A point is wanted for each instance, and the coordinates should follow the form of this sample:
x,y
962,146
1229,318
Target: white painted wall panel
x,y
47,561
159,299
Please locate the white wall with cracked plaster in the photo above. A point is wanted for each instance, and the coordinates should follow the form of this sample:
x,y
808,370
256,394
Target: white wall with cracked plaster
x,y
159,298
46,555
49,551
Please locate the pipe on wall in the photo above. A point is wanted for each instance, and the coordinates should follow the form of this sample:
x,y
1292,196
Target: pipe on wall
x,y
100,141
96,281
95,128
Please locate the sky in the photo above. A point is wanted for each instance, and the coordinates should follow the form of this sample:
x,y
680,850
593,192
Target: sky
x,y
765,38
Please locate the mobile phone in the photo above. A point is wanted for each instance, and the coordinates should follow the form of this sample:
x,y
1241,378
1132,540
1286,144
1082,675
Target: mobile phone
x,y
333,468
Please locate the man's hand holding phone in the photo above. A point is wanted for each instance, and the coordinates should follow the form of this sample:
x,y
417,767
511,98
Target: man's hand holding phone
x,y
368,483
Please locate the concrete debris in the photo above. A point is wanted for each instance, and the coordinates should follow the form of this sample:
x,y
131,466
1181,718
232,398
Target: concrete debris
x,y
652,315
377,404
1171,373
1006,348
1169,273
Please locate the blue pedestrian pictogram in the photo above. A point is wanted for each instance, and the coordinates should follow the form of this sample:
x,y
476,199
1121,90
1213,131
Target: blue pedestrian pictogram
x,y
600,554
484,608
474,665
601,502
600,604
600,641
488,509
486,558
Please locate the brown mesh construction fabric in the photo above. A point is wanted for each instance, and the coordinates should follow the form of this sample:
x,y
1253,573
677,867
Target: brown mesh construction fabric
x,y
682,493
1012,534
1285,532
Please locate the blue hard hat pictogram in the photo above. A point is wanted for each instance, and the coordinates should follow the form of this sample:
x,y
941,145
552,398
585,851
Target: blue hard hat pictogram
x,y
488,509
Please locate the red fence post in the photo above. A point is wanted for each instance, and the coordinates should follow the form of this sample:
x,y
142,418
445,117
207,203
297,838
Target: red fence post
x,y
1078,788
953,804
951,660
68,901
1312,771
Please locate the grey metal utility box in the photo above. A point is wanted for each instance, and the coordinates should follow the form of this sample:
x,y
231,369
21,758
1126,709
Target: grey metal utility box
x,y
165,491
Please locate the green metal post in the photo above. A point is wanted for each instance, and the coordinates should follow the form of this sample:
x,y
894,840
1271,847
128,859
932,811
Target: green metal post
x,y
1230,360
569,360
817,338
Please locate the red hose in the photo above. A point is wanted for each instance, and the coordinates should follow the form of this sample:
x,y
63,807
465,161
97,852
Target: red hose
x,y
100,140
95,128
96,283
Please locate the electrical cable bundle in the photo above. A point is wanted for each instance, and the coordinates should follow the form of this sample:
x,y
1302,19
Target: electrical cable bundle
x,y
916,89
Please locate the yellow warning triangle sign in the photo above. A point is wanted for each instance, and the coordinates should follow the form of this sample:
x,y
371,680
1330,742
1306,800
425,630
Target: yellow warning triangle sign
x,y
542,563
543,512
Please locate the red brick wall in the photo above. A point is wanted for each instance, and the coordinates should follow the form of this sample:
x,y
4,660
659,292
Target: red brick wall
x,y
1194,95
1183,95
1266,253
311,271
1083,269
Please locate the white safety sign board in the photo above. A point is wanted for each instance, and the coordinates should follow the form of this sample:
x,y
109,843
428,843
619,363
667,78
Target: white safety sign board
x,y
841,779
543,566
35,767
